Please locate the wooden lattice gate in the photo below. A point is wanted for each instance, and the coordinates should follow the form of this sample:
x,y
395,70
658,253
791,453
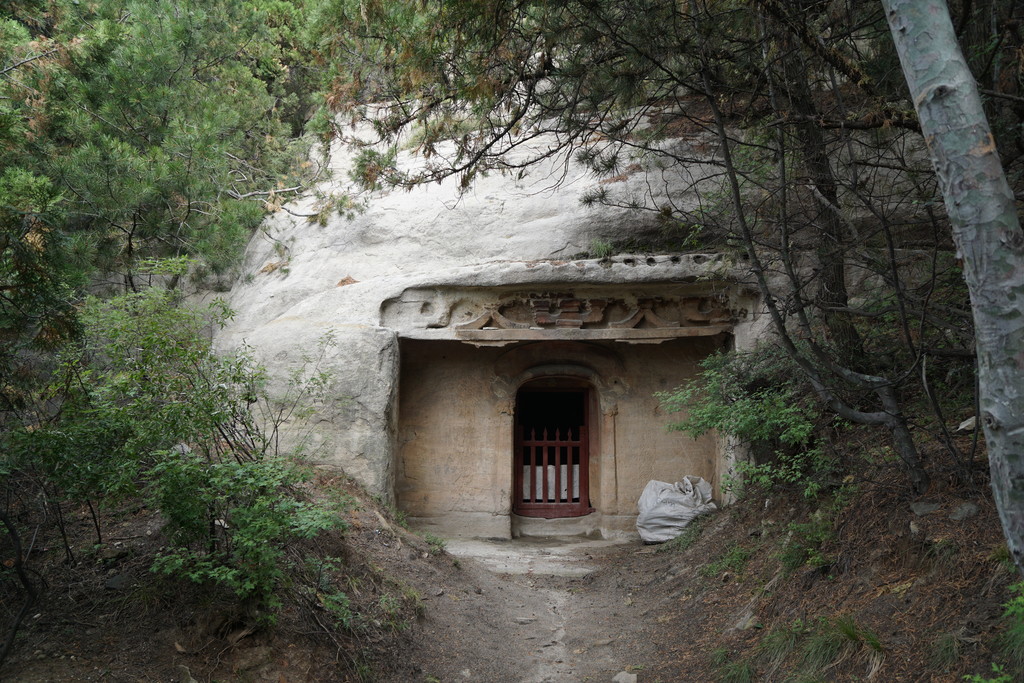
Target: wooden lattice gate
x,y
551,472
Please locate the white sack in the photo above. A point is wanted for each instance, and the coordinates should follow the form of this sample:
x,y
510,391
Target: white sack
x,y
665,509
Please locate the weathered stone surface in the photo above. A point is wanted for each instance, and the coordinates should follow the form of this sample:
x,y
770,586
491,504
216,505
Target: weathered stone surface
x,y
964,511
417,265
118,582
250,658
353,423
502,231
922,508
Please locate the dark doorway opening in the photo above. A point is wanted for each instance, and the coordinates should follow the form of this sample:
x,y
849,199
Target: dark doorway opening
x,y
552,451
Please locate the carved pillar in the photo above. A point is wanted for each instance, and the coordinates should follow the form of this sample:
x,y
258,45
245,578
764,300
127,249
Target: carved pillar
x,y
608,460
502,471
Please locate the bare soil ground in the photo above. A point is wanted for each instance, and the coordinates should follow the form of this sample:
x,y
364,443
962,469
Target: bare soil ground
x,y
545,611
890,593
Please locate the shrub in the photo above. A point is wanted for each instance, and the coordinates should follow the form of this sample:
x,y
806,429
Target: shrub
x,y
147,409
803,543
759,399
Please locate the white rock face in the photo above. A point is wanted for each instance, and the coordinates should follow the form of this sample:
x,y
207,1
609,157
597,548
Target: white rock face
x,y
301,280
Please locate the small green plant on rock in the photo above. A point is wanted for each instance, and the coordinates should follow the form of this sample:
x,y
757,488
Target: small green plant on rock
x,y
600,249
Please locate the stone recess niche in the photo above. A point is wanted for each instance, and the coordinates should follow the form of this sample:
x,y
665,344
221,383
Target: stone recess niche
x,y
528,411
482,379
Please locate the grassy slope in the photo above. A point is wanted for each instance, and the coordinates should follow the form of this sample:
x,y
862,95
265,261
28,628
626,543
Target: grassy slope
x,y
863,588
774,588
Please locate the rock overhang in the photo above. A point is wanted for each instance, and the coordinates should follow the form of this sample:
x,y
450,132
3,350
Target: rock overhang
x,y
636,299
485,268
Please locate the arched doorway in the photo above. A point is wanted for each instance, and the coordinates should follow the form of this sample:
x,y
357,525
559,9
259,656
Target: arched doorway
x,y
551,464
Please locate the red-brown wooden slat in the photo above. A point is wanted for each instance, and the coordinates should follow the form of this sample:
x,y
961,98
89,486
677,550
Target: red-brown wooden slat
x,y
552,451
571,487
555,496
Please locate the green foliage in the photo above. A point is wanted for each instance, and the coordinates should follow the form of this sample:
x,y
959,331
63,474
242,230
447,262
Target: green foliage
x,y
755,397
830,640
942,555
436,543
400,516
339,607
1001,554
759,399
159,120
817,646
229,520
320,583
779,643
738,671
802,545
691,534
38,266
945,651
601,249
999,677
132,130
390,606
822,648
148,410
1010,642
373,169
719,656
804,469
733,559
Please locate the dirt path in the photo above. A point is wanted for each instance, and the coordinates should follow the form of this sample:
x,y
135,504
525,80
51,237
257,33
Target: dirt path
x,y
536,611
558,610
524,611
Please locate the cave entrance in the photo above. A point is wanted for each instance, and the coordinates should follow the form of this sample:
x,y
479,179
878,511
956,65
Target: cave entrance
x,y
551,468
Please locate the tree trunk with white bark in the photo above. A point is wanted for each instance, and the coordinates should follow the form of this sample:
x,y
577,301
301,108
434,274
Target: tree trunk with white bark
x,y
983,215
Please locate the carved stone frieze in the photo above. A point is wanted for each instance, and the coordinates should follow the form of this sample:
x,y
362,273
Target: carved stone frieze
x,y
492,318
634,314
569,312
